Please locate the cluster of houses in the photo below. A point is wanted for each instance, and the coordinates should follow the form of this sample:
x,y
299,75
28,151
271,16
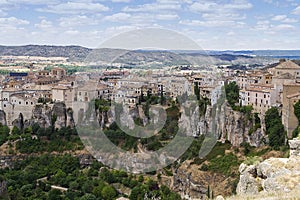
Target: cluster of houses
x,y
21,92
278,86
262,89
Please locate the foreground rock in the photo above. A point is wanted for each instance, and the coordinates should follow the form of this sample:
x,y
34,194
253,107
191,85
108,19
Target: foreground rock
x,y
274,175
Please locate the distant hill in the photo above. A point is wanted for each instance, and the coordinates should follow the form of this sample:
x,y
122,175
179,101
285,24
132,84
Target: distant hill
x,y
76,53
143,57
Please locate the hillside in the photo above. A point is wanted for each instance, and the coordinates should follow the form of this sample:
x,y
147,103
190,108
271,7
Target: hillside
x,y
72,52
137,57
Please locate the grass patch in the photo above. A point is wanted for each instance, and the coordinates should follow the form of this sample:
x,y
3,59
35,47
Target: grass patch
x,y
224,164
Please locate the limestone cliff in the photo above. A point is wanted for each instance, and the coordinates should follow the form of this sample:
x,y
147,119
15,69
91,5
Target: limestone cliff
x,y
230,125
274,175
44,114
2,117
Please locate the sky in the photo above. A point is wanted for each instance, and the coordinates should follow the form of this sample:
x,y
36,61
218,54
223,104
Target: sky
x,y
212,24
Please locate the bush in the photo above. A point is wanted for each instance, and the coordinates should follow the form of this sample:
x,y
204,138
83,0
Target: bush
x,y
224,164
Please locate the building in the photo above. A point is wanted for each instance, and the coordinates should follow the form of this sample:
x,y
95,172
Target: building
x,y
291,94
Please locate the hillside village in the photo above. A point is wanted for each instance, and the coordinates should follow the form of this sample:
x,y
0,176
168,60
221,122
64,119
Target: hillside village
x,y
261,88
35,95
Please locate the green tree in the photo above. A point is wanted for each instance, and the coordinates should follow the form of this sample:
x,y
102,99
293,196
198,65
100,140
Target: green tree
x,y
88,197
297,113
232,93
197,90
16,131
4,133
108,192
274,128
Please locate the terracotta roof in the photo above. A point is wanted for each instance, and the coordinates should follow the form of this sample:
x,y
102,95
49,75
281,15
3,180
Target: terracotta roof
x,y
287,65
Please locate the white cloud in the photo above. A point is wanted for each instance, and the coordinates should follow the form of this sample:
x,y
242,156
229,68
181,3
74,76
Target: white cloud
x,y
75,8
215,7
284,19
12,22
154,7
215,13
269,28
44,24
32,2
72,32
120,1
79,20
283,27
296,11
117,17
279,17
204,23
140,19
230,33
167,16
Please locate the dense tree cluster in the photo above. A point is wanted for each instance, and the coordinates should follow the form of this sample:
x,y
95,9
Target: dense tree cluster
x,y
33,178
274,128
232,93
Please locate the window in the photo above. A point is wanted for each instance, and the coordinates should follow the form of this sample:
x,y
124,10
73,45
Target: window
x,y
26,103
264,95
19,102
256,94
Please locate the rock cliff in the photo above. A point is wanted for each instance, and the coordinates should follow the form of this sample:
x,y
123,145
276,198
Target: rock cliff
x,y
274,175
44,116
2,117
230,125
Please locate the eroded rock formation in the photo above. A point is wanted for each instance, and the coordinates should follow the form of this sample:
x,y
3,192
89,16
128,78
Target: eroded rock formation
x,y
274,175
230,125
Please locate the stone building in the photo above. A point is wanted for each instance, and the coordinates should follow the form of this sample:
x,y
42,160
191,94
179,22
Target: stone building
x,y
291,94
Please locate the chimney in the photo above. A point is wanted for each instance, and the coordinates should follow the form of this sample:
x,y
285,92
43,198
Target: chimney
x,y
282,60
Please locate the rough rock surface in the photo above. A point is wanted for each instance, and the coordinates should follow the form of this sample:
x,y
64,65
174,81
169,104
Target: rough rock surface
x,y
43,114
192,183
2,117
230,125
19,122
272,175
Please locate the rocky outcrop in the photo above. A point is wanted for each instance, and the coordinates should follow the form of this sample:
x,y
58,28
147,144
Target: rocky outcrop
x,y
192,183
230,125
274,175
44,115
2,117
19,122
